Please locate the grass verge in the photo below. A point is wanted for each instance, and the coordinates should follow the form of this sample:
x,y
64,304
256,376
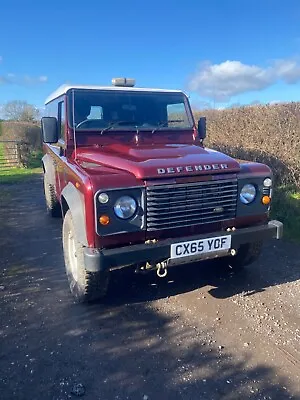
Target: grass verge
x,y
14,175
1,150
286,208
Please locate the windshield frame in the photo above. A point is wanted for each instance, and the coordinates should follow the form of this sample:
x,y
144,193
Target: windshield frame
x,y
132,128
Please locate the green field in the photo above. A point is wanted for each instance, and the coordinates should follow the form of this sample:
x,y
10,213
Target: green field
x,y
14,175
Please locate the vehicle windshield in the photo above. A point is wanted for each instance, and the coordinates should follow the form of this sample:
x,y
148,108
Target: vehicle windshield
x,y
111,110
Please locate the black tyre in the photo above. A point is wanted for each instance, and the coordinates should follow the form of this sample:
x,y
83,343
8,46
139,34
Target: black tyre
x,y
247,254
52,204
84,285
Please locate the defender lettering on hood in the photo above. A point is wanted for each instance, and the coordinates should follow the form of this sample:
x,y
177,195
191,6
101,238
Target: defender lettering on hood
x,y
191,168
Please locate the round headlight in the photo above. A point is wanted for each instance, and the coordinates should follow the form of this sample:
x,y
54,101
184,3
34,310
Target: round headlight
x,y
125,207
103,198
268,182
248,194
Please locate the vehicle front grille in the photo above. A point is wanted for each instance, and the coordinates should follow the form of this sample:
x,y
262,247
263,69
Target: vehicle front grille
x,y
182,205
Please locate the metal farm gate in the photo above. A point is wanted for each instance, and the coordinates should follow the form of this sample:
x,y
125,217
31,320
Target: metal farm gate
x,y
11,154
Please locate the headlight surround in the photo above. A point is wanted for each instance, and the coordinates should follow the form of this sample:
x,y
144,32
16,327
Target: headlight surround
x,y
125,207
248,193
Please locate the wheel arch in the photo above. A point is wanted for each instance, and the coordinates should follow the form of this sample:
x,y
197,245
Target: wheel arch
x,y
73,200
64,206
49,168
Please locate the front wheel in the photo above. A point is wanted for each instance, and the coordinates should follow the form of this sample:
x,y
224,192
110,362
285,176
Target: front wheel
x,y
84,285
247,254
52,204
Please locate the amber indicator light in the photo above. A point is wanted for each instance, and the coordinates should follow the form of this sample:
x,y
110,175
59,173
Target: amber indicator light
x,y
266,200
104,220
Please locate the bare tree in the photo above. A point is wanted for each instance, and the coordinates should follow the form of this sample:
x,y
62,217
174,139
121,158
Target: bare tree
x,y
20,111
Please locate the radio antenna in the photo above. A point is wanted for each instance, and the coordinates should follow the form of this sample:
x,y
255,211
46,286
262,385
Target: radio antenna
x,y
74,125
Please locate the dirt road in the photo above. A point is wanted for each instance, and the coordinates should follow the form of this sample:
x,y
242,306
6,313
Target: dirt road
x,y
201,333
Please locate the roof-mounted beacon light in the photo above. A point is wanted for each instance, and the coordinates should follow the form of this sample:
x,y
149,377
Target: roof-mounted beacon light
x,y
127,82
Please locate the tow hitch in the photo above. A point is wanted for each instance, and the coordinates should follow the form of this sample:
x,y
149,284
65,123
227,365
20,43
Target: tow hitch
x,y
161,268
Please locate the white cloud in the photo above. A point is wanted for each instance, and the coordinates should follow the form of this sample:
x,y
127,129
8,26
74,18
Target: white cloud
x,y
43,78
229,78
288,70
25,80
273,102
200,105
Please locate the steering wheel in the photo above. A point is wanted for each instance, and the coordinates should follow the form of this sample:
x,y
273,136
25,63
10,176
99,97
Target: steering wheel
x,y
83,122
92,123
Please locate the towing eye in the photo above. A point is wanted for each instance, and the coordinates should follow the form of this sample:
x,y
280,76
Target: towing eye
x,y
162,269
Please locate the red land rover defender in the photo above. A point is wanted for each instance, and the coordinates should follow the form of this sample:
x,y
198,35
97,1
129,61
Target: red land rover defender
x,y
127,169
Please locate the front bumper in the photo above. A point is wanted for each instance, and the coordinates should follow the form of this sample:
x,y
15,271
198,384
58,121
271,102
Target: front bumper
x,y
109,259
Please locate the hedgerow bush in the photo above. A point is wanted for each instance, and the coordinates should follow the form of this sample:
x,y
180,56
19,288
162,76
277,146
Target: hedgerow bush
x,y
22,131
27,133
264,133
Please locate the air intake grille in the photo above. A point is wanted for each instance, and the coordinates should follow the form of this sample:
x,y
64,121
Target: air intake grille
x,y
175,206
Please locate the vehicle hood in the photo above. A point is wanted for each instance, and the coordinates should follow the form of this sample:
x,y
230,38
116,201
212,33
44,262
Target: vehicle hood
x,y
159,160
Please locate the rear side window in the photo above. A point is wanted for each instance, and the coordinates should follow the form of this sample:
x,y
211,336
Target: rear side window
x,y
61,120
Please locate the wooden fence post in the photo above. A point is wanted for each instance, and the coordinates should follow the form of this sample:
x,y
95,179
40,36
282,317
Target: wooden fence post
x,y
18,154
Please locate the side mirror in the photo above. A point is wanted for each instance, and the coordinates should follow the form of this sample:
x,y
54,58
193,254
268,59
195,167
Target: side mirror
x,y
202,128
49,129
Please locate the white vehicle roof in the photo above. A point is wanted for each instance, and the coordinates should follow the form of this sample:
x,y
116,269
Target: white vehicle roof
x,y
64,88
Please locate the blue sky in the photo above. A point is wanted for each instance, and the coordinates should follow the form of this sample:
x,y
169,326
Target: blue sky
x,y
220,52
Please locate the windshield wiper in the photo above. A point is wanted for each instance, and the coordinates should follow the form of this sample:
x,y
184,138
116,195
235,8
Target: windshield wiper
x,y
135,125
116,123
164,123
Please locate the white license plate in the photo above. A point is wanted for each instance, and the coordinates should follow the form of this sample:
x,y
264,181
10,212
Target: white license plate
x,y
198,247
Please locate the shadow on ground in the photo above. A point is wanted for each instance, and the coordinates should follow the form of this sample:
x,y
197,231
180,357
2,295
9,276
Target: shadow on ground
x,y
120,349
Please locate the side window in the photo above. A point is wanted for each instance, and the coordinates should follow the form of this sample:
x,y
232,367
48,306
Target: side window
x,y
177,115
61,120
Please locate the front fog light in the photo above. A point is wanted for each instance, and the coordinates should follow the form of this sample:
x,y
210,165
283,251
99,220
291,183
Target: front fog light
x,y
248,194
268,182
125,207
